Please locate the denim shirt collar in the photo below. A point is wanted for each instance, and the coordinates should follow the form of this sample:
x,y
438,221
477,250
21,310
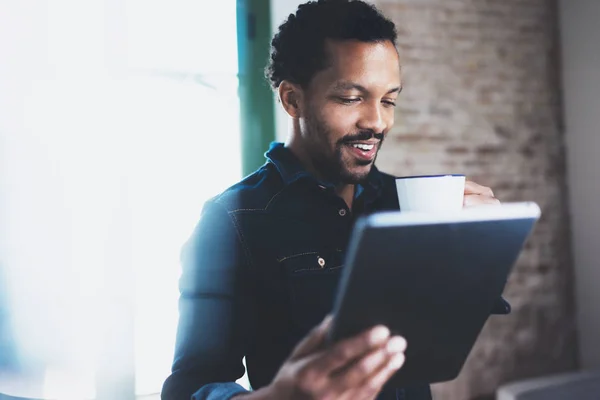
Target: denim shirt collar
x,y
292,170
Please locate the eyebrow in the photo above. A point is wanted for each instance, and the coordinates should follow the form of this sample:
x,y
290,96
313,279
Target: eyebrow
x,y
344,85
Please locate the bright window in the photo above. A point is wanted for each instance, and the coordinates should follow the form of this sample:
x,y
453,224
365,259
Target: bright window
x,y
190,152
118,120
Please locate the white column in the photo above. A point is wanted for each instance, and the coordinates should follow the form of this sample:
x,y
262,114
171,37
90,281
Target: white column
x,y
580,36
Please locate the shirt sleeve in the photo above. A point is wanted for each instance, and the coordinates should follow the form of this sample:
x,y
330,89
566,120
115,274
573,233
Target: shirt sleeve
x,y
501,307
215,312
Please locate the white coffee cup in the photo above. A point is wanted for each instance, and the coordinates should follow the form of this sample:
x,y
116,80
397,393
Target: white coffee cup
x,y
432,193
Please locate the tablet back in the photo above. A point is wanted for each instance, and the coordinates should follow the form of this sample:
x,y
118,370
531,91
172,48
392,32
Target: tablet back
x,y
431,279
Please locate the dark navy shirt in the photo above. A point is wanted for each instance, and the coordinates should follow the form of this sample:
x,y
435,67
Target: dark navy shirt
x,y
260,270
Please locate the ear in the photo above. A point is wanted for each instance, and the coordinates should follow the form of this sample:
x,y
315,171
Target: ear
x,y
291,96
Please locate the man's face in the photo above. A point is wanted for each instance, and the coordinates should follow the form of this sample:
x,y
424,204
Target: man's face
x,y
349,108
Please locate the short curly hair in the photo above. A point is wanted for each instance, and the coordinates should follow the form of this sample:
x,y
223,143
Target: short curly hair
x,y
298,48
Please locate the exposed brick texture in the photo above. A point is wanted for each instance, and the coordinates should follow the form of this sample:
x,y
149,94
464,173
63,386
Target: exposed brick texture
x,y
481,97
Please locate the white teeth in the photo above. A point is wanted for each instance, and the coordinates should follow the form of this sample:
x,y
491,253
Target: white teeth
x,y
366,147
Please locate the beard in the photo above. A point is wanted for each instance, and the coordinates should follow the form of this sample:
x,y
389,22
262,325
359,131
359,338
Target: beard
x,y
334,164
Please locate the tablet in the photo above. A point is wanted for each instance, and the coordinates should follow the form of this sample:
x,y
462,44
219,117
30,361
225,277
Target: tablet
x,y
432,278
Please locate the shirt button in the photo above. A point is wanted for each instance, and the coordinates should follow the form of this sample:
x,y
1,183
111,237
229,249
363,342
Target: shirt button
x,y
342,212
321,262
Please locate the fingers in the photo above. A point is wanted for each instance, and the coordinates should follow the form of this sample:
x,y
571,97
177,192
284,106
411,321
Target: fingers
x,y
376,382
359,373
360,364
313,340
475,188
476,195
346,351
478,200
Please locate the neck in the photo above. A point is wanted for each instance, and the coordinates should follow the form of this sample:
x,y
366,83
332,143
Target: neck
x,y
344,190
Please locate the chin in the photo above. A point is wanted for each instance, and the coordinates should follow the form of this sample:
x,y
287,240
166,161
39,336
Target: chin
x,y
356,175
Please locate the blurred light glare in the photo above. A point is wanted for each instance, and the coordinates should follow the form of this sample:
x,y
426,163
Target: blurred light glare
x,y
109,145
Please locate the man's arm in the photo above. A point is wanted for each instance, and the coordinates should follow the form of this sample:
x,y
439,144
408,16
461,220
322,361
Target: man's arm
x,y
215,312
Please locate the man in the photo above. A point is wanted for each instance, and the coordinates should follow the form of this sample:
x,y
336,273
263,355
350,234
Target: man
x,y
261,269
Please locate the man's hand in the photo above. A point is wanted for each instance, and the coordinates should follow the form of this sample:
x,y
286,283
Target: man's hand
x,y
476,195
354,368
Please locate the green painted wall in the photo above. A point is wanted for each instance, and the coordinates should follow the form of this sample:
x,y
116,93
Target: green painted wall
x,y
257,116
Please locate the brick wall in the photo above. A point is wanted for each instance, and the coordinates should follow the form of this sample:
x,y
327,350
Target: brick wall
x,y
481,97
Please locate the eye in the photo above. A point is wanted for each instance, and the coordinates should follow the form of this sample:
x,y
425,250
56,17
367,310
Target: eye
x,y
389,103
348,100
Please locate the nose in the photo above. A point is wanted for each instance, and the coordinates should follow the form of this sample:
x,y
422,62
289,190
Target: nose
x,y
373,117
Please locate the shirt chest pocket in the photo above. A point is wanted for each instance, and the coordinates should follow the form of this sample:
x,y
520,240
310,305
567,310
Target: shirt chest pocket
x,y
312,279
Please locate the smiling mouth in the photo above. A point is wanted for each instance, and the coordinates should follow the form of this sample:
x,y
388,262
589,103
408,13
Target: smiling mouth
x,y
364,152
365,147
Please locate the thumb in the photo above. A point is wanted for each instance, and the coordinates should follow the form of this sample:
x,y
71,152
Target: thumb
x,y
313,340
